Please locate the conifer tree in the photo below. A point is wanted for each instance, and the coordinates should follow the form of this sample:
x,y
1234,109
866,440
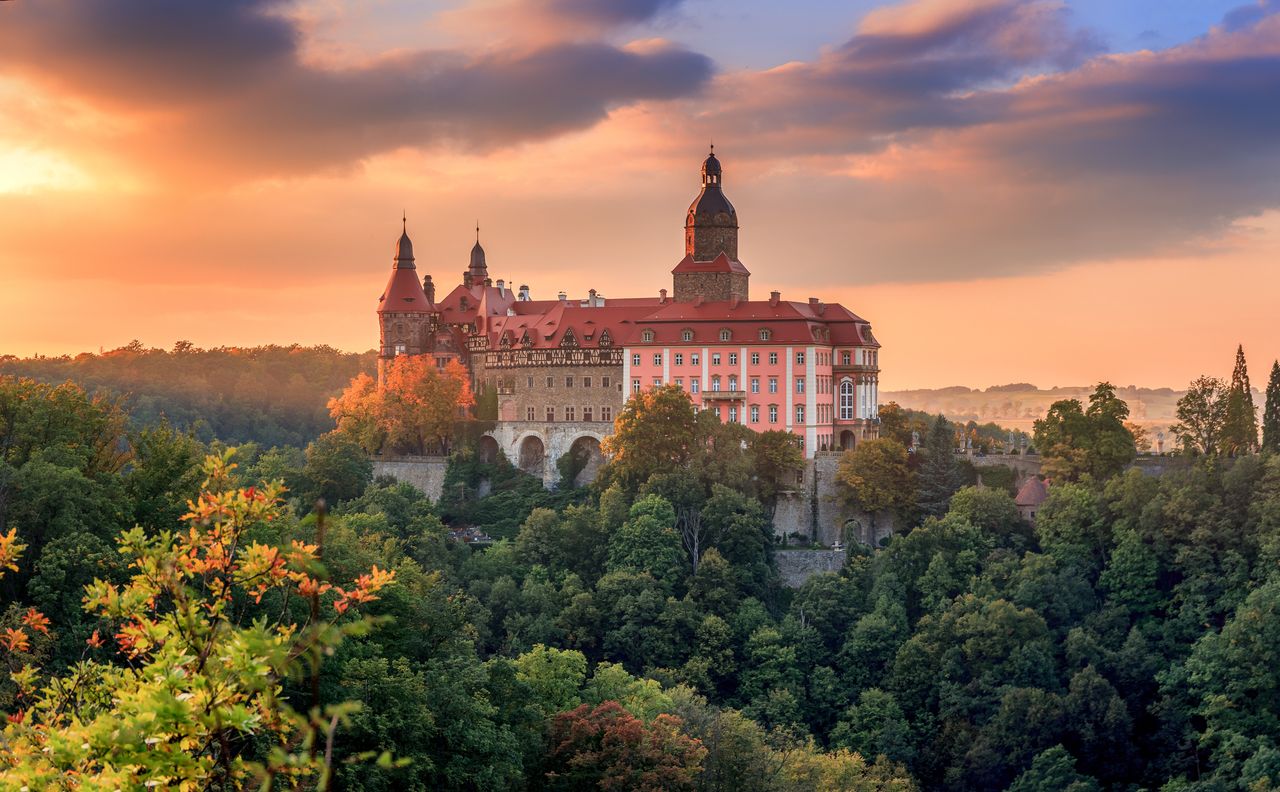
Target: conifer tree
x,y
1240,432
1271,413
939,474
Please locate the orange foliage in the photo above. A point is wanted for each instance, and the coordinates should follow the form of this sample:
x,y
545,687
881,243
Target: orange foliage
x,y
413,412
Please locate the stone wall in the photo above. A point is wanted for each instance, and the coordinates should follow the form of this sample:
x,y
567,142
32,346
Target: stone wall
x,y
425,473
556,438
816,511
797,565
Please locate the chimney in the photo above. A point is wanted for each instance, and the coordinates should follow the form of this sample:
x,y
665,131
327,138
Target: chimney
x,y
429,288
813,303
562,296
662,296
488,281
466,278
524,294
774,298
591,297
501,287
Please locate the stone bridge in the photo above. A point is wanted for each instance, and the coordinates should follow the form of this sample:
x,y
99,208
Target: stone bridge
x,y
536,447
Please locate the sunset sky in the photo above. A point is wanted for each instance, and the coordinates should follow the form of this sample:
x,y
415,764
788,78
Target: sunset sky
x,y
1052,192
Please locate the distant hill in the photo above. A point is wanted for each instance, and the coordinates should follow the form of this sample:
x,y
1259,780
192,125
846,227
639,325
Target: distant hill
x,y
273,395
1018,405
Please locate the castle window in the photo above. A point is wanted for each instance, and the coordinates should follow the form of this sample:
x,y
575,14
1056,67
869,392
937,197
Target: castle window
x,y
716,410
568,413
755,414
657,359
733,383
401,349
606,413
604,382
765,333
733,415
586,414
551,382
725,335
635,386
530,384
773,384
680,383
529,415
800,413
686,335
715,384
568,382
846,400
799,384
773,358
773,413
733,358
679,359
715,358
657,381
586,382
799,358
695,385
635,359
755,384
694,358
647,336
551,414
755,358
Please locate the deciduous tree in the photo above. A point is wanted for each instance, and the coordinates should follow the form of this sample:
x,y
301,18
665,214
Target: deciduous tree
x,y
1202,415
874,477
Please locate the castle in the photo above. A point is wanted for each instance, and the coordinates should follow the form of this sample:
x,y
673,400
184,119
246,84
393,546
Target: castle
x,y
562,369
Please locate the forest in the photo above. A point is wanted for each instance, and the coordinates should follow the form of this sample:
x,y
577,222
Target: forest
x,y
182,613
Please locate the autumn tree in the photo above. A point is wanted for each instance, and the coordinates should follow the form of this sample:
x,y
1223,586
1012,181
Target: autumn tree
x,y
894,423
874,477
196,679
653,433
607,748
415,410
1202,415
1271,413
1240,423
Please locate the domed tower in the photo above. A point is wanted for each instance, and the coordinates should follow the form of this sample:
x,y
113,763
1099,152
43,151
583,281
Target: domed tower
x,y
478,270
404,312
710,268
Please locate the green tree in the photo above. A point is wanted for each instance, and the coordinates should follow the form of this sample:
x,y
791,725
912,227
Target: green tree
x,y
1053,770
1240,423
1202,415
874,477
336,468
648,542
1074,440
554,675
653,433
875,726
894,423
938,474
1271,412
777,461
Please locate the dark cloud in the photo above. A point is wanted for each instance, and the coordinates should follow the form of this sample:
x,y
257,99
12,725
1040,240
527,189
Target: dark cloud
x,y
231,73
609,12
1012,147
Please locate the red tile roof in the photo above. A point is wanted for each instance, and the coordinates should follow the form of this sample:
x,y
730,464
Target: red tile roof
x,y
404,293
721,263
1033,493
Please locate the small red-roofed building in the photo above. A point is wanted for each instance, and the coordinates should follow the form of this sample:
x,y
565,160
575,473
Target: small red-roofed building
x,y
1033,493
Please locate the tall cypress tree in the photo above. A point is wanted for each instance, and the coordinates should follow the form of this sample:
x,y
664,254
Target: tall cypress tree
x,y
1271,413
1240,432
939,475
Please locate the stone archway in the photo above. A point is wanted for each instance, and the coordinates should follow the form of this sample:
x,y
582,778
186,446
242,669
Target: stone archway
x,y
487,449
847,440
533,456
587,458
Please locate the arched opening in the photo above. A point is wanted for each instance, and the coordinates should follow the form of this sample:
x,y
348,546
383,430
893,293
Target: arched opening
x,y
847,440
488,450
533,455
587,459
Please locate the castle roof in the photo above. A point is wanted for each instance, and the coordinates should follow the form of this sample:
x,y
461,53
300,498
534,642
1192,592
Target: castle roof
x,y
586,326
404,293
721,263
1033,493
787,323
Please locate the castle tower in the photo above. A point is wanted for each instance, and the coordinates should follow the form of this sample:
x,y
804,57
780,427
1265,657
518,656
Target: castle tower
x,y
479,270
710,269
404,312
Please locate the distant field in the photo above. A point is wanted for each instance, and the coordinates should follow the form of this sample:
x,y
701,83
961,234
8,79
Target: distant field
x,y
1018,406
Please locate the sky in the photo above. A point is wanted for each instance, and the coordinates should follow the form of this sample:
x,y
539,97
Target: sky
x,y
1008,190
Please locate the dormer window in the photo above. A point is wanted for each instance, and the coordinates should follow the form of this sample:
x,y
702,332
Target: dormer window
x,y
765,334
725,335
647,336
686,335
